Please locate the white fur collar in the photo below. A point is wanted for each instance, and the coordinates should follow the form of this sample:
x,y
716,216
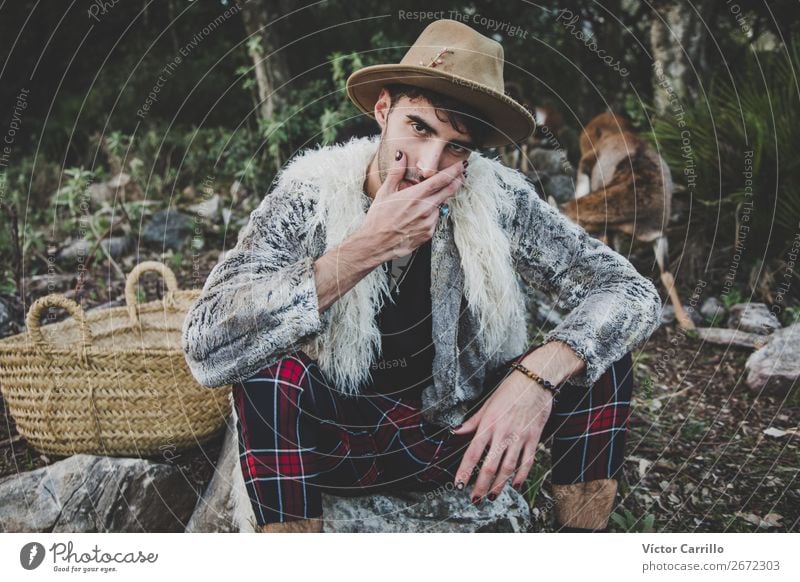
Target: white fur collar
x,y
352,341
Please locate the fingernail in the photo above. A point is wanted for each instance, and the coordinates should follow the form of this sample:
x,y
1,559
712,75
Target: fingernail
x,y
398,155
460,486
476,500
465,163
492,496
517,486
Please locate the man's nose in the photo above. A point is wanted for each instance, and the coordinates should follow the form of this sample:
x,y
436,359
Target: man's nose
x,y
428,162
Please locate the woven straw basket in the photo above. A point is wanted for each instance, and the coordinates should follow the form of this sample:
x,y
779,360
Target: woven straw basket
x,y
111,381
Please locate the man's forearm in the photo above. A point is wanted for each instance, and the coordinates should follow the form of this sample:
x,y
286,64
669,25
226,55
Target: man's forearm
x,y
342,267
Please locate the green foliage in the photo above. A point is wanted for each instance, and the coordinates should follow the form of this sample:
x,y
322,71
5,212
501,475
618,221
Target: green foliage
x,y
533,484
629,523
755,110
732,298
693,429
73,194
646,386
176,259
791,315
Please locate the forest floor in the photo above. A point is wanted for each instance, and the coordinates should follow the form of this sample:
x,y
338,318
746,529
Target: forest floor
x,y
697,455
698,458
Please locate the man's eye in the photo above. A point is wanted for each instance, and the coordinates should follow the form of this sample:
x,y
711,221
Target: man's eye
x,y
419,127
458,149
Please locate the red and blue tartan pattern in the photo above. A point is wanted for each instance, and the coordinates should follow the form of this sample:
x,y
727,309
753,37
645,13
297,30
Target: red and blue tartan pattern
x,y
300,437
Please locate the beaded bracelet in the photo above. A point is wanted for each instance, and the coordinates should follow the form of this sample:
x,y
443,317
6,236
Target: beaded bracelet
x,y
537,378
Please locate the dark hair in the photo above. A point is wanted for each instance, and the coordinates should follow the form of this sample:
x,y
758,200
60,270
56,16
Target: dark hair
x,y
462,117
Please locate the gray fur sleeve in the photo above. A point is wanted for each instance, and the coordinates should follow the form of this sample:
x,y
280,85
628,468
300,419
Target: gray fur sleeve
x,y
261,301
612,308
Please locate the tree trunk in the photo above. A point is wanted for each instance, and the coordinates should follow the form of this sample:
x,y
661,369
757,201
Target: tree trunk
x,y
677,40
271,70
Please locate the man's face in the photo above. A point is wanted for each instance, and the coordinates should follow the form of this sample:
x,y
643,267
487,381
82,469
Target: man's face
x,y
428,143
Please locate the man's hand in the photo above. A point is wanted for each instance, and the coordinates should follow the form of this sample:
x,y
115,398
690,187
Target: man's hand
x,y
400,220
510,423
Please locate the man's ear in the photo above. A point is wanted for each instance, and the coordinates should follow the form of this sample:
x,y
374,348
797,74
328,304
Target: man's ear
x,y
382,106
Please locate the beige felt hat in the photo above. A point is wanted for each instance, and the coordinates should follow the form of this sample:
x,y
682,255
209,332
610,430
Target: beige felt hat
x,y
451,58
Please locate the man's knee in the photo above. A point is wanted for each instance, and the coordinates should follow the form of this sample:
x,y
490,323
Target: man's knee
x,y
291,368
286,380
585,505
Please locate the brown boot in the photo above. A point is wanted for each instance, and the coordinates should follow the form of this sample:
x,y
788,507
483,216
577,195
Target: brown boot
x,y
311,525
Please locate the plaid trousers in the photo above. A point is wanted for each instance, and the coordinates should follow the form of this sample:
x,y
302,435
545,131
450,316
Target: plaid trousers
x,y
299,437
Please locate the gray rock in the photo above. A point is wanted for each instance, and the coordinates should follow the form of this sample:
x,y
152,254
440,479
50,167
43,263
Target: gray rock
x,y
775,368
559,186
668,314
5,315
443,511
753,318
225,506
209,210
88,493
75,250
547,161
115,245
713,308
169,229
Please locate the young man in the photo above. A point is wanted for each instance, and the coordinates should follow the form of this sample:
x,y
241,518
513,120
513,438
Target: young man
x,y
372,315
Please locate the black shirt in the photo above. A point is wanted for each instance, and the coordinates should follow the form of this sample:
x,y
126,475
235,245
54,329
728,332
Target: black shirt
x,y
406,363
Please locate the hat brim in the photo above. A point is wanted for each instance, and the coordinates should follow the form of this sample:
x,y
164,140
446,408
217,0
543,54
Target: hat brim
x,y
510,122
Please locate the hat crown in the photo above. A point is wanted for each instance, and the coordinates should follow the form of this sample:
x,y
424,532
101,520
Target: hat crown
x,y
453,47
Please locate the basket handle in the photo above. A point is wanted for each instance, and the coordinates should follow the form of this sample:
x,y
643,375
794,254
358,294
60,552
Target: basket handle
x,y
133,278
33,321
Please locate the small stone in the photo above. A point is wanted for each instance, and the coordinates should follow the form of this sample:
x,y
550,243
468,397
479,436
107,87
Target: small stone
x,y
713,308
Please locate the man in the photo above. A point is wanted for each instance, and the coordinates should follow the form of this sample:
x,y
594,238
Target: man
x,y
372,315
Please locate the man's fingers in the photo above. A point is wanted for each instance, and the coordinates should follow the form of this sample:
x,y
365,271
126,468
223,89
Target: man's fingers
x,y
470,424
441,180
490,468
446,193
525,464
507,467
396,172
470,460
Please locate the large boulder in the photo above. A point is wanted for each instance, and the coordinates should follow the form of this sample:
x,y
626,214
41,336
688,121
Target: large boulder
x,y
225,506
775,368
88,493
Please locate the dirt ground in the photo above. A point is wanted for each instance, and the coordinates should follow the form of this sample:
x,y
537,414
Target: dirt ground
x,y
697,459
697,456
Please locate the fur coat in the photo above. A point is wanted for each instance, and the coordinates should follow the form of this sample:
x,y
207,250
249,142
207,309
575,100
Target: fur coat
x,y
260,303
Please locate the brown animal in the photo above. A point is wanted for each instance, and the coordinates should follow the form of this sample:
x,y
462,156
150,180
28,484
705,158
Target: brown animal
x,y
623,185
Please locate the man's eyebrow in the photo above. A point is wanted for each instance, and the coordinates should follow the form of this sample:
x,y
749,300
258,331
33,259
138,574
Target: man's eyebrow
x,y
464,144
